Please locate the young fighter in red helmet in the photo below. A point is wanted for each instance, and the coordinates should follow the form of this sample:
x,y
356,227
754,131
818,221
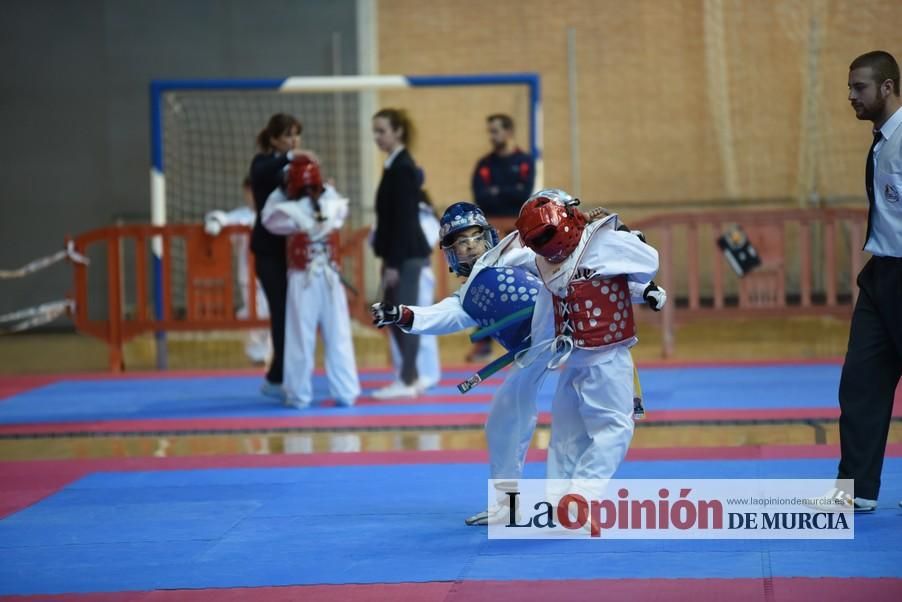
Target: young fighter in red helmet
x,y
312,215
594,272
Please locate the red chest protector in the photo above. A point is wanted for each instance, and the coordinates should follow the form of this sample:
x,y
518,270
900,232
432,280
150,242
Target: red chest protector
x,y
595,313
302,251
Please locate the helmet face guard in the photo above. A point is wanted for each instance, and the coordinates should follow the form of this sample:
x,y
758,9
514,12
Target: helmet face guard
x,y
303,178
550,224
457,218
462,266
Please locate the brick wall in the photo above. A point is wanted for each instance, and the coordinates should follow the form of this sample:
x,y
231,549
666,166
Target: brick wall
x,y
678,100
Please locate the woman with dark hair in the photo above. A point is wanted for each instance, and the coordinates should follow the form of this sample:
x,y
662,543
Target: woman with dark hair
x,y
277,144
399,240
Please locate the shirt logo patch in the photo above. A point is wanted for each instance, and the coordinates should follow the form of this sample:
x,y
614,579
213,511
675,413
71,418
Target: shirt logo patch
x,y
891,194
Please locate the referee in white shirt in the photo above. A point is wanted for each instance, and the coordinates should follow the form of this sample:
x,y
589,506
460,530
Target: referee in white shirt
x,y
873,361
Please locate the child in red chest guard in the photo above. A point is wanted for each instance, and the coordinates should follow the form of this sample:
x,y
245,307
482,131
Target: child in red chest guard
x,y
594,272
311,214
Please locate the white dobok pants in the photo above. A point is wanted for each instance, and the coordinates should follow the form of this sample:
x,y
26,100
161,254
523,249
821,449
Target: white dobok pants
x,y
592,416
512,420
318,300
257,342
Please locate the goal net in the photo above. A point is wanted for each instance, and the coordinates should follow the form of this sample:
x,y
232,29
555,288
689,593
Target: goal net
x,y
203,139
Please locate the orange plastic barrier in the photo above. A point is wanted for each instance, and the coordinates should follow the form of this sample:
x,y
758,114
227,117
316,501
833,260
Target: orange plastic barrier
x,y
208,287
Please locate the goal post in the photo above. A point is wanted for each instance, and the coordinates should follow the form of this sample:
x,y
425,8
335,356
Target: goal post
x,y
202,135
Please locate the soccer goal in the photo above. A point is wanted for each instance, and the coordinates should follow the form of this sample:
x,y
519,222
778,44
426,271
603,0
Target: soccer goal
x,y
203,134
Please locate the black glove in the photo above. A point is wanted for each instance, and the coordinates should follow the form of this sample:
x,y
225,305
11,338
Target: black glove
x,y
385,314
654,296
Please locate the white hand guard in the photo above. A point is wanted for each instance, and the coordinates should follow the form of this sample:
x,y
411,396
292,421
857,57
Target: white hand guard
x,y
214,222
655,296
385,314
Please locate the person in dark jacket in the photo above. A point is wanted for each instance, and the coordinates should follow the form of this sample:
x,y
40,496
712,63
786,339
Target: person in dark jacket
x,y
502,181
277,143
399,240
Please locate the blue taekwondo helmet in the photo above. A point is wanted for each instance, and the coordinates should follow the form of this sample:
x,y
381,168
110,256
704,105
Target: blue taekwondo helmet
x,y
461,216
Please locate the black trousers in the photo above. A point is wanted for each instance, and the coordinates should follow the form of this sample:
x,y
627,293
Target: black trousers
x,y
406,292
272,271
870,374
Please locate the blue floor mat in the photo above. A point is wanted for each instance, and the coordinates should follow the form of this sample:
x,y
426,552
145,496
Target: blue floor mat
x,y
215,528
755,387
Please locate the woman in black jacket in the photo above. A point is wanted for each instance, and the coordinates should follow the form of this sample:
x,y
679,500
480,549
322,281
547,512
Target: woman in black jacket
x,y
399,240
277,143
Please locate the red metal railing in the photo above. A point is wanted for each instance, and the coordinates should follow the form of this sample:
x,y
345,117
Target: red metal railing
x,y
798,248
801,250
207,301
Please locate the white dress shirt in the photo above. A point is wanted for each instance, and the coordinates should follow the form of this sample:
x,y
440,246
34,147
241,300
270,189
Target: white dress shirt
x,y
886,214
392,156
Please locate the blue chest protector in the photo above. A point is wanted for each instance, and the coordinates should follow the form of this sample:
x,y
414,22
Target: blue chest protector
x,y
495,293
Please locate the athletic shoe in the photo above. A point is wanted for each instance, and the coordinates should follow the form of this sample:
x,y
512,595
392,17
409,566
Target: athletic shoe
x,y
395,390
496,515
837,500
294,402
863,505
272,390
423,385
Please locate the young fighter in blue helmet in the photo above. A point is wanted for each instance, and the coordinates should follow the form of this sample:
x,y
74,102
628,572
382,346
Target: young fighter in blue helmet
x,y
501,279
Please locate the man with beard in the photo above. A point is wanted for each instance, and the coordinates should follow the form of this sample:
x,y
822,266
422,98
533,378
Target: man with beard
x,y
873,361
503,179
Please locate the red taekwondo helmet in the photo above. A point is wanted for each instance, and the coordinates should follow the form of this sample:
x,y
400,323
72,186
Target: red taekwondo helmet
x,y
550,224
302,178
